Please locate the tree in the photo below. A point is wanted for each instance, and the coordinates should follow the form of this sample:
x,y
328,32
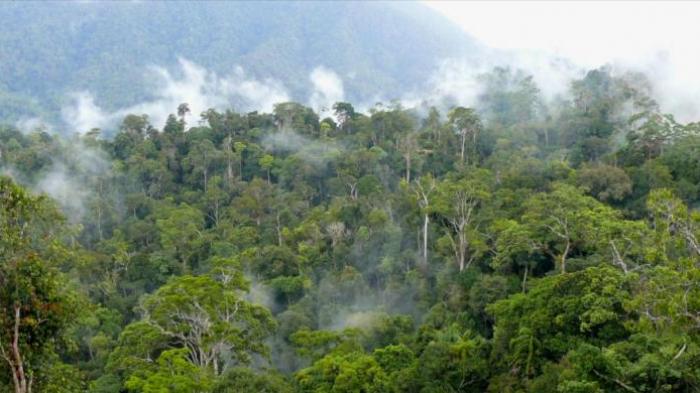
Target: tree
x,y
209,317
466,122
256,201
344,373
514,243
182,111
34,307
509,97
669,293
266,163
409,147
458,202
246,380
173,128
345,113
605,182
423,189
201,158
294,117
173,374
558,314
180,229
561,220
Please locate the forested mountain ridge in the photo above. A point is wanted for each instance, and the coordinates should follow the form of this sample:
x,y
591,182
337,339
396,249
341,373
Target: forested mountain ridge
x,y
519,246
53,49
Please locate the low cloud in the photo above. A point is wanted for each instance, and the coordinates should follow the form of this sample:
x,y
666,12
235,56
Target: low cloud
x,y
313,151
457,81
62,186
73,180
198,87
31,124
327,90
82,114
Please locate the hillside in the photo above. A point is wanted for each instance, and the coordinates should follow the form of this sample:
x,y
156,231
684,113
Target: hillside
x,y
50,50
520,248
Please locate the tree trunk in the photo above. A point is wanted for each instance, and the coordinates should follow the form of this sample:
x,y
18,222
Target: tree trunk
x,y
462,249
205,179
564,255
99,212
229,161
22,385
216,213
353,191
408,168
99,220
476,150
229,171
279,231
426,220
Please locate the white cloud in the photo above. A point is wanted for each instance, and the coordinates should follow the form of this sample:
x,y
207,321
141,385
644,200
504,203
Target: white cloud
x,y
64,187
83,114
198,87
658,38
71,179
327,89
30,124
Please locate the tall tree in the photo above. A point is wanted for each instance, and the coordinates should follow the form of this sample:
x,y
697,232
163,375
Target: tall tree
x,y
209,316
423,190
458,203
466,122
34,307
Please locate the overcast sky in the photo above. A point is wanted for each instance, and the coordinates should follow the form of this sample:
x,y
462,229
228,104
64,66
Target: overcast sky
x,y
659,38
590,33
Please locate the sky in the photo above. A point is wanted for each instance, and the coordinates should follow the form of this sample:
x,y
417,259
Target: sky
x,y
589,33
660,38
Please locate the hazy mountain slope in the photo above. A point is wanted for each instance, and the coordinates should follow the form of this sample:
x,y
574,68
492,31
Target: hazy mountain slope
x,y
51,49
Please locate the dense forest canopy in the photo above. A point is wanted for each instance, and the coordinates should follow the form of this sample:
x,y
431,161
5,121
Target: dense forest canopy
x,y
523,245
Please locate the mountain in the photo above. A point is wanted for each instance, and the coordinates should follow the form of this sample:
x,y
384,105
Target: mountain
x,y
51,49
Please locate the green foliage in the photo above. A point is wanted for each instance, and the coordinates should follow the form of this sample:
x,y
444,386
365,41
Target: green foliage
x,y
209,317
35,308
173,373
556,252
353,372
246,380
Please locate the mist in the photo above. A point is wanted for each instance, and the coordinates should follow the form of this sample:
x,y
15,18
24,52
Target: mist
x,y
200,88
455,81
327,90
295,197
314,151
656,38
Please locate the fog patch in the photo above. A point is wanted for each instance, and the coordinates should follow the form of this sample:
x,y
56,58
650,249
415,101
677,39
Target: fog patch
x,y
64,189
314,151
200,88
675,84
32,124
459,81
261,294
82,113
327,89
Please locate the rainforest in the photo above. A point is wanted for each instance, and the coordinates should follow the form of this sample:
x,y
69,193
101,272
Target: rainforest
x,y
523,242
